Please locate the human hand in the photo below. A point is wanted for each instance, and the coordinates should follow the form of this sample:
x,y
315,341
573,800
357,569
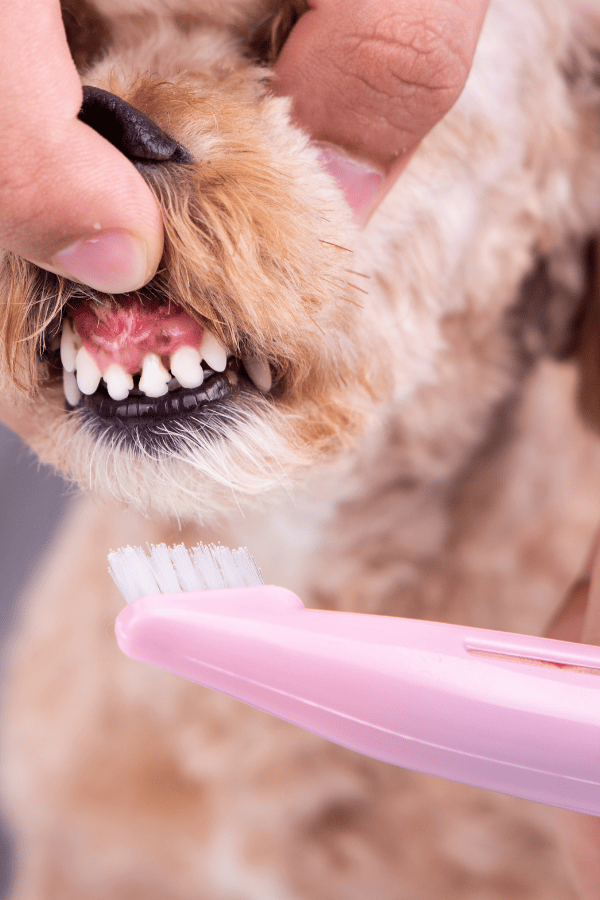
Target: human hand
x,y
579,620
69,201
374,77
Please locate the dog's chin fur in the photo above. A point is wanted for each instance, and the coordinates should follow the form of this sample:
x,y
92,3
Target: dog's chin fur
x,y
424,379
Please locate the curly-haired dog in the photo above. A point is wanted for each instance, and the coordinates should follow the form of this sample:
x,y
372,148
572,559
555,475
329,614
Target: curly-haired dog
x,y
388,418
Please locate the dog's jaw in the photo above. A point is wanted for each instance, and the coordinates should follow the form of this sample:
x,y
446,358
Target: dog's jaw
x,y
134,367
257,254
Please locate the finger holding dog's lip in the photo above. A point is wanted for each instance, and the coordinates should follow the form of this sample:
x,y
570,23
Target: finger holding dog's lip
x,y
374,76
69,201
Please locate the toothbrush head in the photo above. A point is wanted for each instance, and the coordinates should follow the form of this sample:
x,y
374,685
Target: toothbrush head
x,y
168,570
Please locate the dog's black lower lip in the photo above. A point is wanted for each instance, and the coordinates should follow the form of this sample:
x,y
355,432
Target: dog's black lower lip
x,y
141,410
208,411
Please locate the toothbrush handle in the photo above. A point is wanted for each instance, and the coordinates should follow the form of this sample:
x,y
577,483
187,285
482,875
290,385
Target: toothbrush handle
x,y
507,712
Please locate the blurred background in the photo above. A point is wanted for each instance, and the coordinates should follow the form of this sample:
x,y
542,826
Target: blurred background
x,y
33,501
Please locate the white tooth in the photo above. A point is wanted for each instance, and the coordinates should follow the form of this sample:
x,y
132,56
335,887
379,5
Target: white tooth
x,y
185,366
88,373
155,377
68,351
70,388
258,371
213,352
118,382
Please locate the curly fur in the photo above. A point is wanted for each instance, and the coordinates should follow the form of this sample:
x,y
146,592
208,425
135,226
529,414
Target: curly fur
x,y
421,453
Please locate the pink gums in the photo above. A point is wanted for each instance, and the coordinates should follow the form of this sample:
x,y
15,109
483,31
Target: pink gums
x,y
124,335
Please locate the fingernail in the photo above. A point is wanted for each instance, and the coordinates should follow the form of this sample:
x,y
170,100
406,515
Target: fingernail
x,y
112,262
359,183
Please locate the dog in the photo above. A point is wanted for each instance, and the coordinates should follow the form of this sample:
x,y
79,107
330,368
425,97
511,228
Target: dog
x,y
395,419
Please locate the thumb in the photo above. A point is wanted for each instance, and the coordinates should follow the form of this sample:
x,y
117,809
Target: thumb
x,y
69,201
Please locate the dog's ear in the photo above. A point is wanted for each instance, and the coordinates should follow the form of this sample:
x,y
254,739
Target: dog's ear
x,y
582,74
88,33
270,33
558,315
587,345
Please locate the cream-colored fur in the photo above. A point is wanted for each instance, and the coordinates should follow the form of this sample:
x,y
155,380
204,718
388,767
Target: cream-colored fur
x,y
421,453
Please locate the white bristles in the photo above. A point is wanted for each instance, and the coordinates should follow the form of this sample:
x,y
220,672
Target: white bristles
x,y
162,569
184,567
168,570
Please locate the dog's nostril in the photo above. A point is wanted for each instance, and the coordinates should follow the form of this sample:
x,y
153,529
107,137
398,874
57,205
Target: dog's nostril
x,y
129,130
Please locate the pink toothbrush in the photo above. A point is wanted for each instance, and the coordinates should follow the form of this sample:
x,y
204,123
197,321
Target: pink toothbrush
x,y
507,712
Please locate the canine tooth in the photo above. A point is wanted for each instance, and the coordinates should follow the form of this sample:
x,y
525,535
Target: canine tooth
x,y
76,338
258,371
68,351
185,366
155,377
70,388
212,350
88,373
118,382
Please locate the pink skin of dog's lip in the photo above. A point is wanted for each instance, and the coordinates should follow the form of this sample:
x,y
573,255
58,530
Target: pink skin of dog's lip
x,y
126,334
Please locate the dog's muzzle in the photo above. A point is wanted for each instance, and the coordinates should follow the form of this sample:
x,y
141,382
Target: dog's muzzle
x,y
131,360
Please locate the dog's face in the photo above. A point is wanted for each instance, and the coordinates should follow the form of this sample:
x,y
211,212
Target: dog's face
x,y
247,356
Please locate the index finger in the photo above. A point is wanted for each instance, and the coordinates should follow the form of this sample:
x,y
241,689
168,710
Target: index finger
x,y
374,76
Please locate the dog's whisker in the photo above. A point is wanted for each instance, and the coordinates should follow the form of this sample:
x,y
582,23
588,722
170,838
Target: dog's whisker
x,y
337,246
360,274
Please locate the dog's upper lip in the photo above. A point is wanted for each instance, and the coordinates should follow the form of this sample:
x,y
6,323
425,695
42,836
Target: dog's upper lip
x,y
112,343
124,334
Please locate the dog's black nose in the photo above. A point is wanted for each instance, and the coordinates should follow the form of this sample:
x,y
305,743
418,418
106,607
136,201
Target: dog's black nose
x,y
131,132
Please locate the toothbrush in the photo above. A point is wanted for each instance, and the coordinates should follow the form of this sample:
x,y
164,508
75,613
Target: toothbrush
x,y
507,712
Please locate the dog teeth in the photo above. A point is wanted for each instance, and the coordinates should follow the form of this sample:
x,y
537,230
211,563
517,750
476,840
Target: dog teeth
x,y
70,388
68,350
118,382
185,364
155,378
258,370
82,375
213,352
88,373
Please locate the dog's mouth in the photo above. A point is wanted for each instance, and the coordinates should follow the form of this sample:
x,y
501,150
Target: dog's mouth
x,y
138,364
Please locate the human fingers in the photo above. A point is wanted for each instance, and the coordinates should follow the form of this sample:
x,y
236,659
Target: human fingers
x,y
374,76
69,201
